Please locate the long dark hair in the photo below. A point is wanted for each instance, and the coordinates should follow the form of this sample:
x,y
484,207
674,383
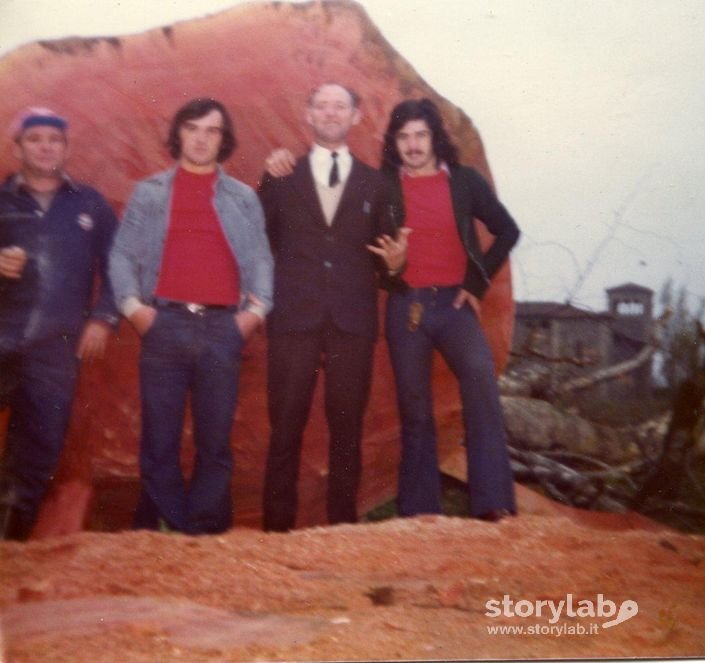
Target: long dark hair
x,y
193,110
417,109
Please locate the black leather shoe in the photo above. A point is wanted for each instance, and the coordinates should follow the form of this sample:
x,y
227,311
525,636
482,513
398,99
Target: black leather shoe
x,y
15,525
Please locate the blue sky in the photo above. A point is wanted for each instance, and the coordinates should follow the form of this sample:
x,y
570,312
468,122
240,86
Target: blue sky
x,y
591,112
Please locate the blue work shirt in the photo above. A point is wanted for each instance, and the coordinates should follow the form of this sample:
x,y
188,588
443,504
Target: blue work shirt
x,y
67,246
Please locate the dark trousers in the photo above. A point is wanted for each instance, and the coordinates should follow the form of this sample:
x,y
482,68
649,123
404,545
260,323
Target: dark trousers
x,y
198,355
294,362
458,336
46,372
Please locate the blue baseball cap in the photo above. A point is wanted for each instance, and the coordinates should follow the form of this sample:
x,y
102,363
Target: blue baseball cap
x,y
34,116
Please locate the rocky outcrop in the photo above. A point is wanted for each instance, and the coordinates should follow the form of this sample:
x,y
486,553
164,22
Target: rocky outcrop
x,y
261,60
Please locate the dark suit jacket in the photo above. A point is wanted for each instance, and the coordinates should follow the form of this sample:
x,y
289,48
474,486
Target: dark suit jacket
x,y
323,271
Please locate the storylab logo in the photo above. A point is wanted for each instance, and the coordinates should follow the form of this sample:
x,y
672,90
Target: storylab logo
x,y
551,613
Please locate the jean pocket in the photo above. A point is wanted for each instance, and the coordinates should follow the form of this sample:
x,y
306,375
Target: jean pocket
x,y
152,327
238,331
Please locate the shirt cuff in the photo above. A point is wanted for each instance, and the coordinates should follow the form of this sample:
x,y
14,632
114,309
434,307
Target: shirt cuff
x,y
111,321
259,310
396,272
130,305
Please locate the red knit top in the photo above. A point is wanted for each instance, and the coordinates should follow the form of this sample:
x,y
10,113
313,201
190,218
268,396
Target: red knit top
x,y
436,255
198,264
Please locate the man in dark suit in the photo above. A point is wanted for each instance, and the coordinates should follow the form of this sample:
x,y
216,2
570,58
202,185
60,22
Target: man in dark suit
x,y
330,234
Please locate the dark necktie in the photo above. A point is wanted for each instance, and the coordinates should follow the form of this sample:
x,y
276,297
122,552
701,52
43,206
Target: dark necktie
x,y
334,178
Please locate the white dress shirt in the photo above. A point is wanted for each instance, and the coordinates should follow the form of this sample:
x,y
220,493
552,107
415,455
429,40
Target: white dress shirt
x,y
321,162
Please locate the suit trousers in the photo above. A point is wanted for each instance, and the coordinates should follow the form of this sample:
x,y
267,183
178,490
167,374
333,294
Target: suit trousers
x,y
458,336
294,363
197,355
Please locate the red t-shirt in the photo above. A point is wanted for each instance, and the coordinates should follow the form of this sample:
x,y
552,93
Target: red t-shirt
x,y
436,255
198,264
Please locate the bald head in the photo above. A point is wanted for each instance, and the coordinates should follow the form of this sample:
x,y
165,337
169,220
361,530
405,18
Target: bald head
x,y
353,96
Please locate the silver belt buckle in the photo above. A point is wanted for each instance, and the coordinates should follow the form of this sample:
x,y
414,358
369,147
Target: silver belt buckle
x,y
196,309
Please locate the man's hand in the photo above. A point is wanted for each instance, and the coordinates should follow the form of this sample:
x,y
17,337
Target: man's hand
x,y
280,163
247,322
392,250
143,318
93,340
464,297
12,262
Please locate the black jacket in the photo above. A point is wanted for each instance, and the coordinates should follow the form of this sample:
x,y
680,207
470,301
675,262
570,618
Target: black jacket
x,y
472,199
323,270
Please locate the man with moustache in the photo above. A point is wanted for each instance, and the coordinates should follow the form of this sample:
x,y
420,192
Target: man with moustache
x,y
433,304
327,217
192,272
55,235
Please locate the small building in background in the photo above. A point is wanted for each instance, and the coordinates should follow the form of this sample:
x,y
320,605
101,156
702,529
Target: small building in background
x,y
577,341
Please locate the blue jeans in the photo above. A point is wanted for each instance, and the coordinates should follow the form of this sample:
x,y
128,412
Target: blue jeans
x,y
458,336
198,355
47,372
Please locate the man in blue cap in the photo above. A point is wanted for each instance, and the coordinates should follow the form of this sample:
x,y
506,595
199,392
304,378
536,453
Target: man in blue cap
x,y
55,235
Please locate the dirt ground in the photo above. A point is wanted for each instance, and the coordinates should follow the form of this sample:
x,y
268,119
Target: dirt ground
x,y
401,589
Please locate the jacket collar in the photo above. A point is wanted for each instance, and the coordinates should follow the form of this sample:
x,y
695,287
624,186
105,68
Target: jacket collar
x,y
303,177
397,196
167,176
16,183
442,166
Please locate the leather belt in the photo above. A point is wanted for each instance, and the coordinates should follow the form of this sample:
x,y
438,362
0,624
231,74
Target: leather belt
x,y
192,307
434,289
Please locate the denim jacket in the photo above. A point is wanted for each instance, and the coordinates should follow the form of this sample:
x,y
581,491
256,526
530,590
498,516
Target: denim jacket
x,y
136,257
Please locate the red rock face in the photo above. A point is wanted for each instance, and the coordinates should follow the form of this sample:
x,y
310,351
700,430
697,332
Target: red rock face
x,y
261,61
